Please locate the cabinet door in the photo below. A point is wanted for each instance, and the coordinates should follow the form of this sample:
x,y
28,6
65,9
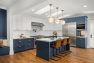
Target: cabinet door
x,y
3,24
29,43
4,51
80,42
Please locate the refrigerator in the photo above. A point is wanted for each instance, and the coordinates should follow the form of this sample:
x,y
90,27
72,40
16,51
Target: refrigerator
x,y
69,30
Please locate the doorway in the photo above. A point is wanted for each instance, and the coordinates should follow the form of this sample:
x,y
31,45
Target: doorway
x,y
91,34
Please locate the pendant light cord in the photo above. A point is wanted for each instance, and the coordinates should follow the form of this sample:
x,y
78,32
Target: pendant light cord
x,y
57,11
50,9
62,13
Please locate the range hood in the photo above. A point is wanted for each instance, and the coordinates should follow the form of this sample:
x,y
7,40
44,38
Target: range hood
x,y
37,24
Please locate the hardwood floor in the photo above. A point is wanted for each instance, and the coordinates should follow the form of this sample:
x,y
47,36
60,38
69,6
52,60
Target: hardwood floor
x,y
77,56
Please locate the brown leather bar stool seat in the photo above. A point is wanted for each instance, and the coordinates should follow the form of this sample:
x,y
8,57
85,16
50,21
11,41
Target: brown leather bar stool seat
x,y
56,46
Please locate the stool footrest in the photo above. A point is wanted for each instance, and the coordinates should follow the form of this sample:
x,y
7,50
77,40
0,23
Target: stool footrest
x,y
55,58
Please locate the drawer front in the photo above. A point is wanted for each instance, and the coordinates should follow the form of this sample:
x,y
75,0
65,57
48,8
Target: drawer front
x,y
18,43
18,48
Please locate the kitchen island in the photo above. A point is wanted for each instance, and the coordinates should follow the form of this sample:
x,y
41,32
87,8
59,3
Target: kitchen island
x,y
43,47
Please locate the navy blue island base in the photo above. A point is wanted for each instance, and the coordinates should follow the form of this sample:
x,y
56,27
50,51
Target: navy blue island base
x,y
44,49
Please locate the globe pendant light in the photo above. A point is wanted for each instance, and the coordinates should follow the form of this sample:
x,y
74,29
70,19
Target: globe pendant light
x,y
50,19
62,20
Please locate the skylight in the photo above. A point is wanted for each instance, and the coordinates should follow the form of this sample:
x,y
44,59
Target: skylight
x,y
43,10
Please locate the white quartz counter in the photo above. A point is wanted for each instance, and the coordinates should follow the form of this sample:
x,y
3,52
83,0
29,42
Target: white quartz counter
x,y
50,40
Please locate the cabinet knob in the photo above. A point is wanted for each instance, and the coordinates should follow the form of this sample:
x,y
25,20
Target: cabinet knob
x,y
19,41
19,46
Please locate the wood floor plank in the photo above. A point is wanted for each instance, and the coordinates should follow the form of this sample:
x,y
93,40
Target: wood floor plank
x,y
78,55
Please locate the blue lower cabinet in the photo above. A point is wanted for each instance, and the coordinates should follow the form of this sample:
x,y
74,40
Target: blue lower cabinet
x,y
29,43
23,44
4,50
80,42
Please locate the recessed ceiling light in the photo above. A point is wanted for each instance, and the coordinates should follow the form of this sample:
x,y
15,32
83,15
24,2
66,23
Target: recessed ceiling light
x,y
84,6
33,10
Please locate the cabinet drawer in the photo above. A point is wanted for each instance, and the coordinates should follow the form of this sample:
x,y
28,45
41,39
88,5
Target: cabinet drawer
x,y
18,48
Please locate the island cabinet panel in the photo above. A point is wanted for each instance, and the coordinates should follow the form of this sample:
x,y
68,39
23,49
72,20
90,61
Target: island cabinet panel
x,y
23,44
3,24
42,50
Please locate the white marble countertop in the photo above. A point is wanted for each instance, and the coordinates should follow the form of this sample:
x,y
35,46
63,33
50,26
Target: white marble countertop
x,y
50,40
23,38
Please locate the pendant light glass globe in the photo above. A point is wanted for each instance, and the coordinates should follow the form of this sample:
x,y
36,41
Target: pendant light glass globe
x,y
62,22
51,19
57,21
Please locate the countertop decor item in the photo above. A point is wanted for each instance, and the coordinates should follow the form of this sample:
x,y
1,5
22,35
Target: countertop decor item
x,y
22,36
54,34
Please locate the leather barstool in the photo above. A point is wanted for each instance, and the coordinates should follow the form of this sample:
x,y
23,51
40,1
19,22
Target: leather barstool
x,y
68,45
63,45
56,48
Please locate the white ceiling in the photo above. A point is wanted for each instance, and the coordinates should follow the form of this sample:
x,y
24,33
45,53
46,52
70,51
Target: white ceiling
x,y
6,3
70,7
